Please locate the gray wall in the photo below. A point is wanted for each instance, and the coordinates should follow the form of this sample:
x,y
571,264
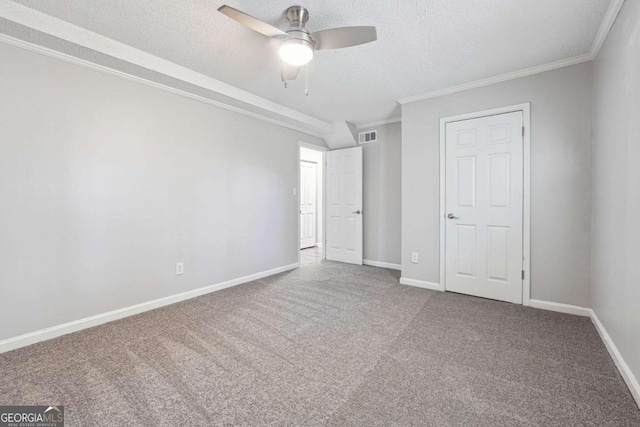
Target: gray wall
x,y
106,184
615,289
382,194
560,178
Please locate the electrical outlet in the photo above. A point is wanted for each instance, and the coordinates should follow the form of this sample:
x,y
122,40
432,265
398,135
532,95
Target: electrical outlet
x,y
414,257
179,268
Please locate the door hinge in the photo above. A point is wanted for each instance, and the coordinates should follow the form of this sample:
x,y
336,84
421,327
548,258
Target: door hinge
x,y
522,130
522,274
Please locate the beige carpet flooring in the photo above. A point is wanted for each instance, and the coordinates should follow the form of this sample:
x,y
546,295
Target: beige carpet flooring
x,y
327,344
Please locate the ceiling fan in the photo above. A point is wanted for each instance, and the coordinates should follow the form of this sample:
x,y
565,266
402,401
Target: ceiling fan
x,y
298,44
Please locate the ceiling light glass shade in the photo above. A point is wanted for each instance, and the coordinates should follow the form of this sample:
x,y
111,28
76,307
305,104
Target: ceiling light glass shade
x,y
296,52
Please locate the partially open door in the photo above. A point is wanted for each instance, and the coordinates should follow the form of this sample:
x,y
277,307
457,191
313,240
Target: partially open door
x,y
344,205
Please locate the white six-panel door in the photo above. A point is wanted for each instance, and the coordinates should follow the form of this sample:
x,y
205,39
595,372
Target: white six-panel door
x,y
344,205
484,207
308,204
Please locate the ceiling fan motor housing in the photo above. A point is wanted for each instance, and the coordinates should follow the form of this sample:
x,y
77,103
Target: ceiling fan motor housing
x,y
303,36
298,17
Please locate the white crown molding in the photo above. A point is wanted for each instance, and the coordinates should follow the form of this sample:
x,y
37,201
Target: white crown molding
x,y
497,79
367,125
82,37
605,27
99,319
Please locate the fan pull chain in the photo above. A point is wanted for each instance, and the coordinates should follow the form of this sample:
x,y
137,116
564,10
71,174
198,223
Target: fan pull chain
x,y
282,68
306,80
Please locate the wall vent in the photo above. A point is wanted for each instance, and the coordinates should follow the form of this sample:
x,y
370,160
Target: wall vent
x,y
367,137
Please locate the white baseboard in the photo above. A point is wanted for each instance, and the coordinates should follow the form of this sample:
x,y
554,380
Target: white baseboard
x,y
421,284
622,366
99,319
382,264
560,308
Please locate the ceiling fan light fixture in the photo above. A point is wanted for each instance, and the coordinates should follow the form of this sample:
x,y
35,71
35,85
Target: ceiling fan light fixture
x,y
296,52
297,43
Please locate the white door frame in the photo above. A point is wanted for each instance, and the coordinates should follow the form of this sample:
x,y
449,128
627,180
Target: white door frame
x,y
316,237
526,224
323,150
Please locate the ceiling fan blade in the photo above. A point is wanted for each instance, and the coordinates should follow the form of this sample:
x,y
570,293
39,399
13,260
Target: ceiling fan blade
x,y
337,38
289,72
249,21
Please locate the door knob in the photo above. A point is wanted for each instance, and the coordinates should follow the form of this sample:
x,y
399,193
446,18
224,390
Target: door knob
x,y
451,216
357,212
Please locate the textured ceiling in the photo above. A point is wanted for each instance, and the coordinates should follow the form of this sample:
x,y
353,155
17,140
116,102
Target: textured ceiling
x,y
423,45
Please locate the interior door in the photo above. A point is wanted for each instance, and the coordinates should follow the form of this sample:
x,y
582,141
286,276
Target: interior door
x,y
484,205
344,205
308,204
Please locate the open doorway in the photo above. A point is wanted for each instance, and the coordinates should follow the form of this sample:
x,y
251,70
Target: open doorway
x,y
311,203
